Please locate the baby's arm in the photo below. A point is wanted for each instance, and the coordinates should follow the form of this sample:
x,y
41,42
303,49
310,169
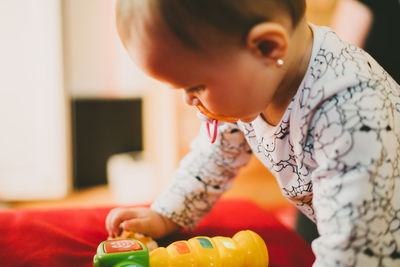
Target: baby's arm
x,y
203,175
356,186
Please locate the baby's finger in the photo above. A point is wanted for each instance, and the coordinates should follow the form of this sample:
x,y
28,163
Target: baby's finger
x,y
118,217
109,219
139,225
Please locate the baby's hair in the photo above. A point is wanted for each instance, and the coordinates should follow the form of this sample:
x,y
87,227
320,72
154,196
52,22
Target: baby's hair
x,y
189,19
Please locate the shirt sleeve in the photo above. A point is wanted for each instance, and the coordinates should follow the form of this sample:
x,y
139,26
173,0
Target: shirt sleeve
x,y
203,175
356,185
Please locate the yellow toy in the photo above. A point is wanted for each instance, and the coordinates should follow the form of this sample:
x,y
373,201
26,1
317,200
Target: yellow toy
x,y
245,249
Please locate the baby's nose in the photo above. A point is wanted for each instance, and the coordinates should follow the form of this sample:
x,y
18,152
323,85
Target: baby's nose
x,y
191,100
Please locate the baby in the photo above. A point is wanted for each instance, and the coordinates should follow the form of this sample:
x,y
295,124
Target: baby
x,y
319,113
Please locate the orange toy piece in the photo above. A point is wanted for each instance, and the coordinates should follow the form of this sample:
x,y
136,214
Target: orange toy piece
x,y
146,240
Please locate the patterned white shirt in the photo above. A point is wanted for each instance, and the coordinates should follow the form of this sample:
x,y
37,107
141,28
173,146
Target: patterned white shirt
x,y
335,155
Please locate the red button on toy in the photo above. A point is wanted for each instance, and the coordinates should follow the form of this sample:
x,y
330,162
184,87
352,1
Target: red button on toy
x,y
115,246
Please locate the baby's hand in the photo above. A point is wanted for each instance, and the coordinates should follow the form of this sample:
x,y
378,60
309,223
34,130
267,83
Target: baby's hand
x,y
139,220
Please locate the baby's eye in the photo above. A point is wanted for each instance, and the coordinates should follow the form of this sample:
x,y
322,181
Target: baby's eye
x,y
196,88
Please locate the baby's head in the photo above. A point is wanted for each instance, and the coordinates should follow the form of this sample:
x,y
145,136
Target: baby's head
x,y
208,46
191,21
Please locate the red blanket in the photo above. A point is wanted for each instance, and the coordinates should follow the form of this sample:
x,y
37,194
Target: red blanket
x,y
69,237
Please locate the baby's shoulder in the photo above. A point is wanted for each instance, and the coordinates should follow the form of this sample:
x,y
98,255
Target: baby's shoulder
x,y
339,68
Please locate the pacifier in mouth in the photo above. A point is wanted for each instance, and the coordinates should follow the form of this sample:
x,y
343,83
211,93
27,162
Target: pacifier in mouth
x,y
209,118
209,121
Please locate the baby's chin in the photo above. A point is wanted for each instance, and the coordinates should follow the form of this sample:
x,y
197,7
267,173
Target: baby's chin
x,y
248,119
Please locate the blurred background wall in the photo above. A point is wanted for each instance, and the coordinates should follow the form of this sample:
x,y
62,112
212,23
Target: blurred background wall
x,y
34,139
70,98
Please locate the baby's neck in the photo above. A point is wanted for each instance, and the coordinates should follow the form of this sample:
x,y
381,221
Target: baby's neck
x,y
296,65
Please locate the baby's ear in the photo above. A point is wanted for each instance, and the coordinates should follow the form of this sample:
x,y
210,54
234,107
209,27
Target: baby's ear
x,y
269,41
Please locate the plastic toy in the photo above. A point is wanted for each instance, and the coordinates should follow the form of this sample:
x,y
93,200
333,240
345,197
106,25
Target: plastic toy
x,y
244,249
149,243
206,116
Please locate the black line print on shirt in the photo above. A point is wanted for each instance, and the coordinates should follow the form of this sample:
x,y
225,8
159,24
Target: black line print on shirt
x,y
348,153
210,172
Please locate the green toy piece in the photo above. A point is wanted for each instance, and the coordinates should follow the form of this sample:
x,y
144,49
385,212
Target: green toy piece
x,y
121,253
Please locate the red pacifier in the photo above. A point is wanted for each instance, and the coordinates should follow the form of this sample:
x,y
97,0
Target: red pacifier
x,y
212,135
206,116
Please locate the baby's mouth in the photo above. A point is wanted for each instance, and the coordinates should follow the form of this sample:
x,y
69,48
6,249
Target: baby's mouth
x,y
205,112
